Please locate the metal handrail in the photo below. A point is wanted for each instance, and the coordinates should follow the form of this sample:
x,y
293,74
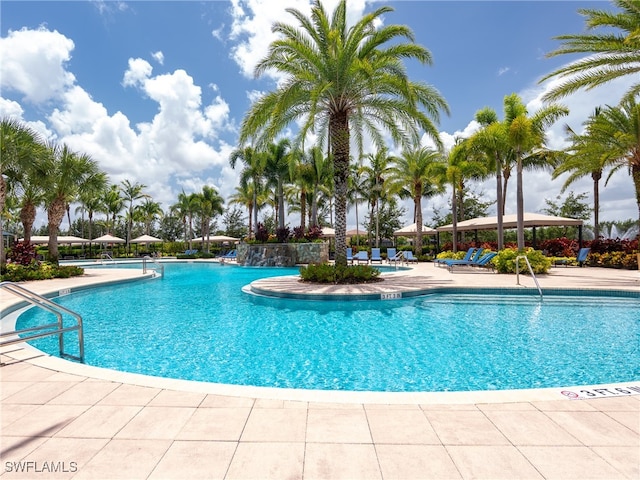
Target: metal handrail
x,y
533,275
158,265
52,307
106,256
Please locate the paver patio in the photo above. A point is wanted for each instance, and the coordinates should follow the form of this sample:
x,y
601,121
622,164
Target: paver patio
x,y
85,422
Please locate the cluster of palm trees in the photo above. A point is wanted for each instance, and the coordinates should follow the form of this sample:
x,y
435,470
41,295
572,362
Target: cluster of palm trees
x,y
35,174
343,82
346,85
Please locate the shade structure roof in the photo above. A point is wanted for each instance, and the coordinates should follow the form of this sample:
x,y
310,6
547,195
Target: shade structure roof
x,y
511,221
328,232
61,239
108,239
146,239
216,239
356,231
411,230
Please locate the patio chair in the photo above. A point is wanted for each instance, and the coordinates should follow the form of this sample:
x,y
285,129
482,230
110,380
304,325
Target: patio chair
x,y
408,256
375,255
361,256
230,255
467,256
349,254
391,255
481,262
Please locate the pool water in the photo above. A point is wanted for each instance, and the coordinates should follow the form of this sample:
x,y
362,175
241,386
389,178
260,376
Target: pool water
x,y
197,324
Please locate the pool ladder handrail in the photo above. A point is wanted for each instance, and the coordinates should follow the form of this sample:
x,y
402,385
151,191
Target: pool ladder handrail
x,y
52,307
397,258
157,268
533,275
106,256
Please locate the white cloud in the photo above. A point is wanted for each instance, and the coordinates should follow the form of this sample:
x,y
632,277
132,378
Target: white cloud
x,y
252,22
137,73
34,63
503,70
158,57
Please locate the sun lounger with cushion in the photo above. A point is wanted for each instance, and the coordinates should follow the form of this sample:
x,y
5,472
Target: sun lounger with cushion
x,y
467,256
361,256
375,255
408,256
483,261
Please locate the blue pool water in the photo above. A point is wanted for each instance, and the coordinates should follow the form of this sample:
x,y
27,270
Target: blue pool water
x,y
196,324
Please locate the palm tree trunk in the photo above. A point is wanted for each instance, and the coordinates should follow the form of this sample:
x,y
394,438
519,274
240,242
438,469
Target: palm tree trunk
x,y
454,215
280,204
596,203
339,139
250,220
500,203
303,210
3,195
27,217
55,214
418,214
635,174
506,175
520,204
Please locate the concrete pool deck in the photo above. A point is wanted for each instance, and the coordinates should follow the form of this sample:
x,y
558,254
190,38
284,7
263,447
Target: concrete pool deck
x,y
86,422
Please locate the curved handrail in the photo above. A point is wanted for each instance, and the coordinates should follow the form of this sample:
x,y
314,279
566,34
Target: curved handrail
x,y
52,307
533,275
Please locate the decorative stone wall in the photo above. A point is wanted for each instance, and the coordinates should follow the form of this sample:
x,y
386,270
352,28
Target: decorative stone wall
x,y
282,254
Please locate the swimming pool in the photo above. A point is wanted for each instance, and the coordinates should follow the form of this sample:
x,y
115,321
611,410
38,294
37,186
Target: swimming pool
x,y
196,324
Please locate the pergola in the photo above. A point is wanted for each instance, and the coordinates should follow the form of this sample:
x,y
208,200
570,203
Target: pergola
x,y
531,220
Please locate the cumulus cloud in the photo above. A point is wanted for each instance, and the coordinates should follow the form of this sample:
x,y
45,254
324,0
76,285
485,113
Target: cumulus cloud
x,y
158,57
252,22
34,64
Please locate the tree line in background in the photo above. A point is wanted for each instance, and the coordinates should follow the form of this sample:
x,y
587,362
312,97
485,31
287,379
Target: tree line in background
x,y
344,84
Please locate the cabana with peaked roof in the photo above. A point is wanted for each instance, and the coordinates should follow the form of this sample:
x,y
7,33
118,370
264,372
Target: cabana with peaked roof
x,y
531,220
412,231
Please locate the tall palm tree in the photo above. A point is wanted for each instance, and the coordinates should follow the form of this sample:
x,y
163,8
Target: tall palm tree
x,y
113,204
131,192
340,80
251,173
616,133
246,196
276,170
91,202
585,157
357,191
186,208
376,172
491,142
68,173
302,172
614,53
414,175
458,167
150,211
18,147
526,136
209,204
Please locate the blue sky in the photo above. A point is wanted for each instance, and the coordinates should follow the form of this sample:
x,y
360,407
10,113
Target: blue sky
x,y
155,91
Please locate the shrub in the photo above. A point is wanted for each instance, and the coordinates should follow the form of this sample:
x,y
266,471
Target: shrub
x,y
326,273
262,234
38,271
22,253
560,247
614,260
505,261
298,232
283,234
314,233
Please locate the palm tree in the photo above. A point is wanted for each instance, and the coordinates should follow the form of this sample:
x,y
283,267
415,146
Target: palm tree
x,y
585,157
615,132
113,204
18,147
526,136
251,173
491,142
276,170
340,80
357,191
186,208
150,211
92,201
302,172
614,53
131,192
68,173
209,204
376,172
246,196
414,175
458,167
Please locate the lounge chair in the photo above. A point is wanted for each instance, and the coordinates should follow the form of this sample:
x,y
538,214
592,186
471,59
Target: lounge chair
x,y
391,255
375,255
361,256
349,254
408,256
467,257
230,255
474,257
483,261
582,256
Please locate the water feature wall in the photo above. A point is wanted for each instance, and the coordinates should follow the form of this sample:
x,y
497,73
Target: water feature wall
x,y
282,254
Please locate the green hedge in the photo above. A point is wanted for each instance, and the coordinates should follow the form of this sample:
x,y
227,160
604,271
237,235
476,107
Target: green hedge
x,y
326,273
505,261
38,271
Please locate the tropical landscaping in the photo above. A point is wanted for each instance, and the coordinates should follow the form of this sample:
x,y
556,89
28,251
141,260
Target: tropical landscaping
x,y
346,87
